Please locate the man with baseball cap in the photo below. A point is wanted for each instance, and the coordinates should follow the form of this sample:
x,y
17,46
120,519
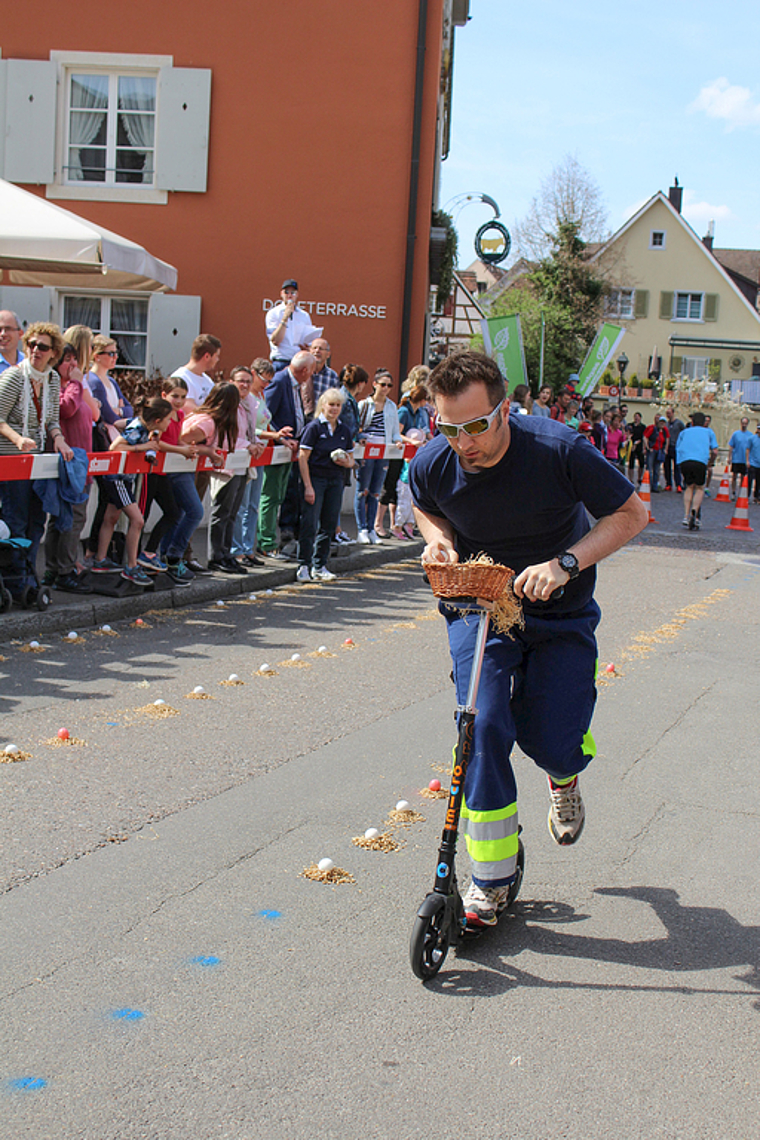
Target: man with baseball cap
x,y
289,328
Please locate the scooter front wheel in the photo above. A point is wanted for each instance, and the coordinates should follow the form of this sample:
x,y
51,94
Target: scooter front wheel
x,y
430,938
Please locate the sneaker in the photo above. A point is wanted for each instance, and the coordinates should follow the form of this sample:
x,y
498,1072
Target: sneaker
x,y
667,488
364,539
179,573
196,567
49,577
302,574
685,522
151,562
396,532
692,523
72,584
707,493
135,574
483,905
373,538
567,813
234,566
106,566
278,556
220,566
322,574
344,539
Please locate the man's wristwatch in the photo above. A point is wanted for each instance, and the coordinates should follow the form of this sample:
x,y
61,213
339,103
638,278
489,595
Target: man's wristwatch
x,y
569,563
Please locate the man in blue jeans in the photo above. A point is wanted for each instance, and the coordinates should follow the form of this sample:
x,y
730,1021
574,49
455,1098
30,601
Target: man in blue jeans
x,y
517,488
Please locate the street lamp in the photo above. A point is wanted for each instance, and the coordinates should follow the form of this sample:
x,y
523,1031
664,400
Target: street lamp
x,y
622,363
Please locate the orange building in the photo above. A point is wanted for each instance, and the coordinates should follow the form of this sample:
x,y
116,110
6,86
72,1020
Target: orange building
x,y
243,143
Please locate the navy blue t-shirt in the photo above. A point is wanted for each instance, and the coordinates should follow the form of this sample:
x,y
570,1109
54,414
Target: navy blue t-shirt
x,y
529,507
322,442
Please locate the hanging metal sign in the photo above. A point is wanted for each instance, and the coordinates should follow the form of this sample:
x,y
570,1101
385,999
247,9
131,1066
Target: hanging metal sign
x,y
492,242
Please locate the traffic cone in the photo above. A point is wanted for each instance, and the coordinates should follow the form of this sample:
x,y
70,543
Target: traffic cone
x,y
740,521
724,491
646,498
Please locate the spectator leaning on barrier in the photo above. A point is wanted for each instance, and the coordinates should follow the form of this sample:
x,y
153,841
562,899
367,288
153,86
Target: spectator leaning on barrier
x,y
283,397
10,334
62,547
198,373
246,520
169,538
115,413
379,424
29,417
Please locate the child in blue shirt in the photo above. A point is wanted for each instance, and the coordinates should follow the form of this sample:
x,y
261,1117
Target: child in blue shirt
x,y
139,434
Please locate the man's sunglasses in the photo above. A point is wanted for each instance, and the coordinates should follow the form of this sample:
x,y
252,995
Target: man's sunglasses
x,y
472,427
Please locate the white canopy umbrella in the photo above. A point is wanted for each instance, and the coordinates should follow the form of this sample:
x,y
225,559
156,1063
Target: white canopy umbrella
x,y
43,244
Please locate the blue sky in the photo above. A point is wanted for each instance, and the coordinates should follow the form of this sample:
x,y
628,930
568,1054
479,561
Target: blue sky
x,y
637,94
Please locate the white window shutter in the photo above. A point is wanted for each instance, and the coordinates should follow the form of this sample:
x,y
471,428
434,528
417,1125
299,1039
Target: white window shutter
x,y
173,324
32,303
30,120
184,98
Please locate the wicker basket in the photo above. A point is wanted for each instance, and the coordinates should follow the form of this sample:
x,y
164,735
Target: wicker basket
x,y
468,579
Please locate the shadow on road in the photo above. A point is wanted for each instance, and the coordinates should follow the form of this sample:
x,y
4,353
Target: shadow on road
x,y
697,939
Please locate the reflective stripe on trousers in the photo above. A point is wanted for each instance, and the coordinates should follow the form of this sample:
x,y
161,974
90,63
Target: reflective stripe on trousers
x,y
491,838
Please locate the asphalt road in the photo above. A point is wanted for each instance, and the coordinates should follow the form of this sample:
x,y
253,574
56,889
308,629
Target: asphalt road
x,y
168,973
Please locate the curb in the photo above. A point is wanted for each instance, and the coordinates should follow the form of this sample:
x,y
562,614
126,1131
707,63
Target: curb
x,y
94,609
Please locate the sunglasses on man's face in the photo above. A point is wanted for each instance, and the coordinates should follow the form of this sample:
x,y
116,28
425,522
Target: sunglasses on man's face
x,y
472,427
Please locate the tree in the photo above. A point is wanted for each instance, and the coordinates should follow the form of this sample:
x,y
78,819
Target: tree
x,y
566,291
568,195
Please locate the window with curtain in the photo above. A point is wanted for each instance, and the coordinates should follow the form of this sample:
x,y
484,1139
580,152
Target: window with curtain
x,y
111,128
123,318
688,307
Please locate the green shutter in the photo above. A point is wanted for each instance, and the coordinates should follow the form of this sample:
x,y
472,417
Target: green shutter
x,y
677,364
666,306
641,303
710,311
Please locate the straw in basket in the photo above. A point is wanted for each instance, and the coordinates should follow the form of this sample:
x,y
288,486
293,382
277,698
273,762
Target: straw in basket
x,y
481,578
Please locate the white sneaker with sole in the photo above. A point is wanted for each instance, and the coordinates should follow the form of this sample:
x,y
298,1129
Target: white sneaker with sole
x,y
302,574
363,537
483,905
322,575
375,539
567,813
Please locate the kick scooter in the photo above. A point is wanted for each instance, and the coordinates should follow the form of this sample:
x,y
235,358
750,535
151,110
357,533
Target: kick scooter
x,y
441,919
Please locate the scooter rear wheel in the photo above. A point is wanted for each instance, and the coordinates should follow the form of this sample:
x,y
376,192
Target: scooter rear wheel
x,y
430,938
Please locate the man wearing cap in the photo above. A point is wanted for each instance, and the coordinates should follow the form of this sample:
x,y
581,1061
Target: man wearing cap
x,y
518,489
288,327
10,335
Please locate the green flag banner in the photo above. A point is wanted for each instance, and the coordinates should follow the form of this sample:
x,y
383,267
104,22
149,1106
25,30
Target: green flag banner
x,y
598,357
502,337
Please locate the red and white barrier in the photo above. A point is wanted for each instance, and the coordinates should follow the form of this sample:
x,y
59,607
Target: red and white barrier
x,y
45,466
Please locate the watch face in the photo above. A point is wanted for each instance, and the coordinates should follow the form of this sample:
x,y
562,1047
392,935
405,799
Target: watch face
x,y
569,564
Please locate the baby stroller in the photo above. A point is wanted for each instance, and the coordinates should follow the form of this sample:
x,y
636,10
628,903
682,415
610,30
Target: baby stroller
x,y
18,578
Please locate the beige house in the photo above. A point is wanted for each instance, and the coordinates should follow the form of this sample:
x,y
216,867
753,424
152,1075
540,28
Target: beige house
x,y
692,306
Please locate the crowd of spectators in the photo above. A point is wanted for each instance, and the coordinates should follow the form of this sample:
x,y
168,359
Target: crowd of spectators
x,y
61,392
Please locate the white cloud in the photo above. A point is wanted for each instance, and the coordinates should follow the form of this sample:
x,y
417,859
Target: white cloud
x,y
723,100
698,213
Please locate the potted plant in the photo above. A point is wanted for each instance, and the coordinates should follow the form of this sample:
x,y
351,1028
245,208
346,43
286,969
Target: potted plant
x,y
632,388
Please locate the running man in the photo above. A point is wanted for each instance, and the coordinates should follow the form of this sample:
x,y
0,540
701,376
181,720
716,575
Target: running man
x,y
516,488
